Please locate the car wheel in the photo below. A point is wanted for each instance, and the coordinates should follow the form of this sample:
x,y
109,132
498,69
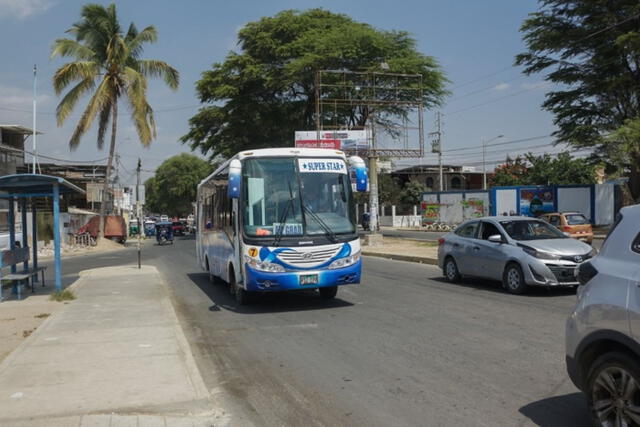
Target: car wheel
x,y
328,292
513,279
613,390
451,272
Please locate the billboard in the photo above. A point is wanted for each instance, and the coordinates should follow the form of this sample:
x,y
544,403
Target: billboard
x,y
536,201
351,140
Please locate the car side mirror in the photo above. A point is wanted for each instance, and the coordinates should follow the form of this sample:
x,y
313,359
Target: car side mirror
x,y
235,168
566,234
496,238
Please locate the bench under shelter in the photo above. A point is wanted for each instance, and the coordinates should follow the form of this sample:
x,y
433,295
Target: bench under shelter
x,y
23,189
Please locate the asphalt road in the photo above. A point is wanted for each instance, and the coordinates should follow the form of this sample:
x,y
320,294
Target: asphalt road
x,y
402,348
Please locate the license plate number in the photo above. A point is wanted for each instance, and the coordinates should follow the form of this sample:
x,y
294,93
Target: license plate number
x,y
309,279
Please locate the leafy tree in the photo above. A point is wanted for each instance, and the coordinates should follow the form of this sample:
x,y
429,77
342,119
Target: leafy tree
x,y
546,169
591,50
107,66
509,173
412,192
173,189
261,95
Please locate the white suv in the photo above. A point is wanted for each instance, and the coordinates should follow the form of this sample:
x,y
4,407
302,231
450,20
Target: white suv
x,y
603,332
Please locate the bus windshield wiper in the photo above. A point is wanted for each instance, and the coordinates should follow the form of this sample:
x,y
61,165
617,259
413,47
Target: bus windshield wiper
x,y
283,217
327,230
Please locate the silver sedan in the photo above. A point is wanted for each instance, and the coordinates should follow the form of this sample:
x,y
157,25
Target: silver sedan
x,y
519,251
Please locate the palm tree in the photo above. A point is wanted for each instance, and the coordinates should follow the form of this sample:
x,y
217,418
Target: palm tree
x,y
107,65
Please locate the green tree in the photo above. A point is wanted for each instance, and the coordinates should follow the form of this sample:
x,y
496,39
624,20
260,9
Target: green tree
x,y
545,169
412,192
107,66
590,49
261,95
173,188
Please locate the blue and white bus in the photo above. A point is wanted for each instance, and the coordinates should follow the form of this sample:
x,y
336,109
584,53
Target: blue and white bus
x,y
281,219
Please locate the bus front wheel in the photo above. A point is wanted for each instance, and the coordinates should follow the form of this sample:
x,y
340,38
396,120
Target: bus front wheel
x,y
328,292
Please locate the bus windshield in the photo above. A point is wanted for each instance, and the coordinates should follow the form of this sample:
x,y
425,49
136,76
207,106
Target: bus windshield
x,y
280,200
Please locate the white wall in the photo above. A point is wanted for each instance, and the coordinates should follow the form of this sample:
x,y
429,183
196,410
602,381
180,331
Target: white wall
x,y
575,199
451,208
605,204
506,201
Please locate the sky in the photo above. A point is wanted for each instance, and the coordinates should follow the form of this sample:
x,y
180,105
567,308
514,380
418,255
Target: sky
x,y
475,43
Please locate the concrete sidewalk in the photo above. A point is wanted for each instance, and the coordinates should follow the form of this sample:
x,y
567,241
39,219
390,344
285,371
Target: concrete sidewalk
x,y
115,356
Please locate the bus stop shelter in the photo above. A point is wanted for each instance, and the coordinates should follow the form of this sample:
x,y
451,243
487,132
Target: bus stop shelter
x,y
23,188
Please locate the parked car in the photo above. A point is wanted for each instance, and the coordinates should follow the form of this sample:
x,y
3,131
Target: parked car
x,y
519,251
178,228
603,331
573,223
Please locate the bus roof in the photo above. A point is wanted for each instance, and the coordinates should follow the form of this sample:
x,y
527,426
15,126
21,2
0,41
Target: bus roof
x,y
288,152
278,152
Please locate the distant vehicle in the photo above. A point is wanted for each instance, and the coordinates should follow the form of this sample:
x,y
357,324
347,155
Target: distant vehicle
x,y
134,227
179,228
573,223
164,232
519,251
149,228
115,228
164,218
603,332
281,219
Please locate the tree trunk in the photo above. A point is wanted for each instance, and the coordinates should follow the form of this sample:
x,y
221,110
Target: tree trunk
x,y
112,149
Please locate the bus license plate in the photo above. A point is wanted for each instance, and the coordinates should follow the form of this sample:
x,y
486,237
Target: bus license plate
x,y
309,279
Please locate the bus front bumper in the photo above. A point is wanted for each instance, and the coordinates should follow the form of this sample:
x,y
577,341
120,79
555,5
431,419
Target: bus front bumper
x,y
291,280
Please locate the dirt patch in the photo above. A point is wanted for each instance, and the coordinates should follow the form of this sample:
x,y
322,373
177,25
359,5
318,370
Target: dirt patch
x,y
21,318
107,245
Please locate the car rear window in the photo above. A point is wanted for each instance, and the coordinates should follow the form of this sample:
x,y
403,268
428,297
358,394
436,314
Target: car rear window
x,y
467,230
576,219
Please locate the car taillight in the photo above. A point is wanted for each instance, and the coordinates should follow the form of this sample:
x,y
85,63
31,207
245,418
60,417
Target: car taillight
x,y
566,228
441,241
586,272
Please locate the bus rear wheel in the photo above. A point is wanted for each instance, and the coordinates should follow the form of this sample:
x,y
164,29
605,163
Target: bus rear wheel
x,y
328,292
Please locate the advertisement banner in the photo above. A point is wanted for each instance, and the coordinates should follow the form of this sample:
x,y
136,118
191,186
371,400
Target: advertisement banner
x,y
536,201
336,140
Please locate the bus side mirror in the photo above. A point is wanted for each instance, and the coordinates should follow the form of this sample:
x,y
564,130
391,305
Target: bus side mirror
x,y
233,190
358,172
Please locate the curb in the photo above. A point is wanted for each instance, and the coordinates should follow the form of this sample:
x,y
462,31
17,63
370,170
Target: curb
x,y
408,258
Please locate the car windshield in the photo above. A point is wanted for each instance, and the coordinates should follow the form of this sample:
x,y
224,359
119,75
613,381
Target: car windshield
x,y
315,201
576,219
531,230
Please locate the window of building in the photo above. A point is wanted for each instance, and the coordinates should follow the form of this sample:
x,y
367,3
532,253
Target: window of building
x,y
456,183
429,183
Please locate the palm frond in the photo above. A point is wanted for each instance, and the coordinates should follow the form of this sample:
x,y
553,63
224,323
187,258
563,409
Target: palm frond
x,y
102,97
74,71
148,35
136,86
155,68
68,47
71,99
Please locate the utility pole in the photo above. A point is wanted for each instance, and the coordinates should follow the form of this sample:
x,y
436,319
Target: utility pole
x,y
139,210
35,145
436,147
373,180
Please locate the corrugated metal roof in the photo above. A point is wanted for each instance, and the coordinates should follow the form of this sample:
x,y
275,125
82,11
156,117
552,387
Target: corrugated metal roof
x,y
19,129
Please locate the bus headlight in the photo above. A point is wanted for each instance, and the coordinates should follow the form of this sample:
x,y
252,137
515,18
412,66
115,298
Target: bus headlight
x,y
263,266
344,262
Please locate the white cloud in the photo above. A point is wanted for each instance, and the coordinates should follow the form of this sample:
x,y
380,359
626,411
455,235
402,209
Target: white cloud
x,y
501,86
23,8
535,85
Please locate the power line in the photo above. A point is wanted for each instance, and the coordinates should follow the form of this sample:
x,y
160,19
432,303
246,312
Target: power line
x,y
515,141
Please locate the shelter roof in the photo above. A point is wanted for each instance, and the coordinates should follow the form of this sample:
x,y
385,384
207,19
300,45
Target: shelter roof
x,y
28,183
